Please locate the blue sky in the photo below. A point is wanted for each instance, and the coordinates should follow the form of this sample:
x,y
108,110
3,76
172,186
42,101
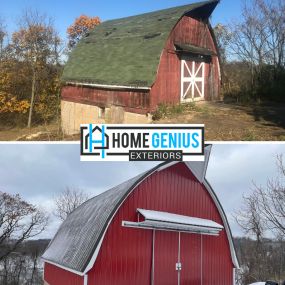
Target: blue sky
x,y
64,12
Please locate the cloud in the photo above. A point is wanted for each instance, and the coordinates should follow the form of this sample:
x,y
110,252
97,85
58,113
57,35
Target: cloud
x,y
38,172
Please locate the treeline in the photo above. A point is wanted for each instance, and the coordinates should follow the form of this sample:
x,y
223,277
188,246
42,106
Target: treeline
x,y
24,264
30,69
253,53
31,63
260,261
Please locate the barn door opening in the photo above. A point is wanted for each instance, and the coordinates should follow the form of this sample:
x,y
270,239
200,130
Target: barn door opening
x,y
191,258
192,80
177,259
166,263
177,247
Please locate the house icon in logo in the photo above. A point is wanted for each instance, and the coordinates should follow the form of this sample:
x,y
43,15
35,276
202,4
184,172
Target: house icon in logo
x,y
96,138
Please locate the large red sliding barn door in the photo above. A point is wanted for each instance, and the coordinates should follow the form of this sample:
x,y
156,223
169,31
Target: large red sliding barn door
x,y
165,258
177,258
191,259
193,80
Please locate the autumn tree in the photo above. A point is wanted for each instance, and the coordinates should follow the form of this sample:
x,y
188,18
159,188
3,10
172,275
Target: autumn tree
x,y
19,221
37,46
30,72
81,26
69,200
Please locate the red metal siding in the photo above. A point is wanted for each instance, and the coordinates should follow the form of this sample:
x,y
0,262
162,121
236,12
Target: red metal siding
x,y
167,88
54,275
165,260
190,259
125,255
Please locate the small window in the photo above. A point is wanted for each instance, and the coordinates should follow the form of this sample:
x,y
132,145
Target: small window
x,y
101,113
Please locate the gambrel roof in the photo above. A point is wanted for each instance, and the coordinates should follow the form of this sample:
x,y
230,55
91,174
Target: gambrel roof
x,y
126,52
78,240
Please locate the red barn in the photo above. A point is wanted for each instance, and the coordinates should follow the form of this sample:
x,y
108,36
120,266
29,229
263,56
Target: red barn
x,y
135,63
163,227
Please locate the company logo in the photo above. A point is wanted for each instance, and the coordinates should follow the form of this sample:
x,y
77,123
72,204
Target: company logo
x,y
142,142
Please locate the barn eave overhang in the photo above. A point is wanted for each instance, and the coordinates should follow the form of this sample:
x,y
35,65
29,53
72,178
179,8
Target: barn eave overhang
x,y
182,48
107,86
164,221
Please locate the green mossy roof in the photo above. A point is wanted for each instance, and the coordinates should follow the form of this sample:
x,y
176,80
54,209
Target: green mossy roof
x,y
125,51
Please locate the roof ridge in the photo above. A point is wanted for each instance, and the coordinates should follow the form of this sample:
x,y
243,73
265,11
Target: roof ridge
x,y
163,10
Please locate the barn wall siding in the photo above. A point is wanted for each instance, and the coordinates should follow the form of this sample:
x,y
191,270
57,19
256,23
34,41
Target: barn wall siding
x,y
167,88
125,254
57,276
132,101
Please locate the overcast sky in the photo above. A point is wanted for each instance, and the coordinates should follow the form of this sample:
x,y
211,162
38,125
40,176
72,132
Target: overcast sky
x,y
38,172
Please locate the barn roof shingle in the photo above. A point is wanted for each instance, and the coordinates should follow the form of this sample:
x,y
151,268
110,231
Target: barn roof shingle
x,y
126,52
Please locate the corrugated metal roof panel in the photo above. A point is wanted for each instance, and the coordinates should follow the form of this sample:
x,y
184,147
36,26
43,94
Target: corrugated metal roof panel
x,y
78,235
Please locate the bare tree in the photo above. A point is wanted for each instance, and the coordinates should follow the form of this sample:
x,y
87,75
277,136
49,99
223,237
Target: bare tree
x,y
223,38
249,218
270,200
2,37
69,200
260,38
19,221
263,214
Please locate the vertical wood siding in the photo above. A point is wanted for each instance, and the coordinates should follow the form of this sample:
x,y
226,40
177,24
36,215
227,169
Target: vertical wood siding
x,y
54,275
137,102
126,253
167,88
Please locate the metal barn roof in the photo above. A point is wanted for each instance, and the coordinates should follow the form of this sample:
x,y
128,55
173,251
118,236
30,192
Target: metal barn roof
x,y
126,52
79,236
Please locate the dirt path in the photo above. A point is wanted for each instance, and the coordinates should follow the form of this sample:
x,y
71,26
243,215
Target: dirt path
x,y
51,132
233,122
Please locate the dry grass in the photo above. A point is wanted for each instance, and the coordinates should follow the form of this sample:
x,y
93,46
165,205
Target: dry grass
x,y
223,122
231,122
51,132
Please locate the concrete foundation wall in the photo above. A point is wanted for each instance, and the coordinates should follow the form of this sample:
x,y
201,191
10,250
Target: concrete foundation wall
x,y
73,114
